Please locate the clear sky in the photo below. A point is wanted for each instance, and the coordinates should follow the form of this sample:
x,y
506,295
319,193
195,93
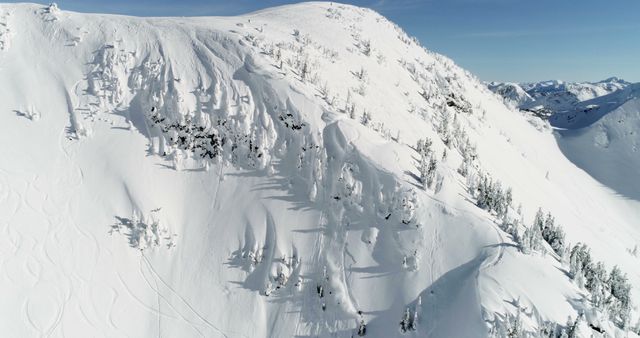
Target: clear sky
x,y
501,40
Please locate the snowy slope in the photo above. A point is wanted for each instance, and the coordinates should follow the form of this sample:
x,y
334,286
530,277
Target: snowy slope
x,y
257,176
602,138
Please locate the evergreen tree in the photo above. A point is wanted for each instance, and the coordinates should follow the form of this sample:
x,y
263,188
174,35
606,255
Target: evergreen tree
x,y
404,323
539,220
362,329
532,239
515,326
573,327
552,234
431,171
620,290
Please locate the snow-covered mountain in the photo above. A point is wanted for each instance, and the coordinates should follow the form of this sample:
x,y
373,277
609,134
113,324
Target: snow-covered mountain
x,y
513,94
560,95
597,124
555,96
303,171
601,136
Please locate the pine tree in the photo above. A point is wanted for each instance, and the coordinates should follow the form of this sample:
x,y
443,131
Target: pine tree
x,y
532,239
509,197
539,220
573,327
620,290
515,326
424,172
431,171
404,323
580,260
552,234
366,47
481,192
414,321
548,330
304,70
362,329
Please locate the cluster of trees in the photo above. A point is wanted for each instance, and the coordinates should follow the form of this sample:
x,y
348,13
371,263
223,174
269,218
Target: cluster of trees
x,y
362,77
492,197
409,320
459,103
469,155
610,293
543,230
212,140
403,205
511,326
428,164
206,141
552,234
144,233
366,118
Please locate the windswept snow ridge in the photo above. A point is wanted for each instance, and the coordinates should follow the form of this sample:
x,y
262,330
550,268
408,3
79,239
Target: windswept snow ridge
x,y
307,170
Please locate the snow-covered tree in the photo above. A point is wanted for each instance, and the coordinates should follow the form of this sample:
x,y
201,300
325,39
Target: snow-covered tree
x,y
361,74
532,240
552,234
595,283
620,302
366,118
580,260
514,329
431,171
548,330
409,321
366,47
405,322
573,327
362,328
304,70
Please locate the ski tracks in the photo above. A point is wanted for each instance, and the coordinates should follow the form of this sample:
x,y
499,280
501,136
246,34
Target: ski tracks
x,y
167,293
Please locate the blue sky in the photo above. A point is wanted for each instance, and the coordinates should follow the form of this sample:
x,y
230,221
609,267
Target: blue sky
x,y
502,40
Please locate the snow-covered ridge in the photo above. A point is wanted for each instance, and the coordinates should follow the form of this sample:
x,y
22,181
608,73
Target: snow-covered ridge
x,y
260,175
512,93
548,97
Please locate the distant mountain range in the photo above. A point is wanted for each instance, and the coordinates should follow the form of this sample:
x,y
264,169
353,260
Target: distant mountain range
x,y
596,124
548,97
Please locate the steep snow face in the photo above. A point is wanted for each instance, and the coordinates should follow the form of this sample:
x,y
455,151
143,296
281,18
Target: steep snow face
x,y
603,139
258,176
